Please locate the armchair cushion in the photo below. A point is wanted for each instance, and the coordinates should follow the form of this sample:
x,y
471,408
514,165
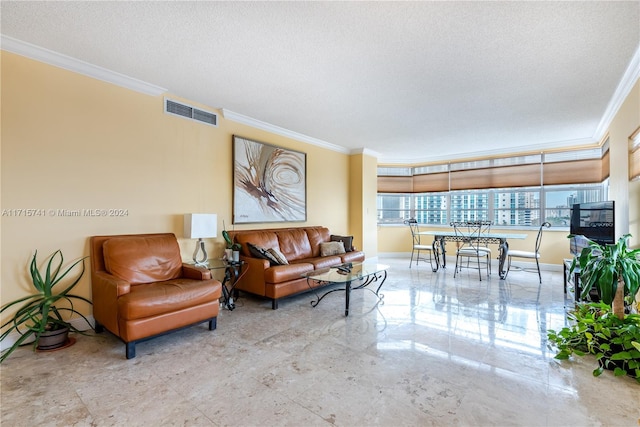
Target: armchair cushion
x,y
129,258
153,299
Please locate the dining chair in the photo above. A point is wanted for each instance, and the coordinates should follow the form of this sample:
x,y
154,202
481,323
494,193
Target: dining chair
x,y
417,247
468,234
485,229
529,255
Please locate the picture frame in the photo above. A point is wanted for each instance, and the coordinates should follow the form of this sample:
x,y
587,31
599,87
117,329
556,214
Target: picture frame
x,y
269,183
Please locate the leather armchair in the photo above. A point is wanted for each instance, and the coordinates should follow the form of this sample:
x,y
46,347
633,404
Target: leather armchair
x,y
142,289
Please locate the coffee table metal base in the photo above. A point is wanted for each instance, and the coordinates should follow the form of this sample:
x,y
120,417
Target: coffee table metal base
x,y
380,276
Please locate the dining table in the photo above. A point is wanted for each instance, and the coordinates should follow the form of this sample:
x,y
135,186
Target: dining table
x,y
440,237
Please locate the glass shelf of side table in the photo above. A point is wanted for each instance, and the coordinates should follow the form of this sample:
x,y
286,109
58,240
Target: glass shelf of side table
x,y
232,272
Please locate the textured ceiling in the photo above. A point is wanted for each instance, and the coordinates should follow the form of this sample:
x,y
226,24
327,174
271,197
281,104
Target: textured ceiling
x,y
411,81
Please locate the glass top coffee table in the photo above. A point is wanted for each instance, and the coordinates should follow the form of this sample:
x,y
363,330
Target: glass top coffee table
x,y
360,275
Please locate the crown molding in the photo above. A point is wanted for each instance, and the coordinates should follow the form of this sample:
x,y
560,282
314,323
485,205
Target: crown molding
x,y
498,152
366,152
245,120
56,59
629,79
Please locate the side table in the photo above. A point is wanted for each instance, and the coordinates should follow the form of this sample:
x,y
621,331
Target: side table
x,y
232,272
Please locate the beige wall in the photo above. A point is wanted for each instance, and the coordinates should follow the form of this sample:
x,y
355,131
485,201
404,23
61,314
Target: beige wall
x,y
634,212
363,188
70,142
625,122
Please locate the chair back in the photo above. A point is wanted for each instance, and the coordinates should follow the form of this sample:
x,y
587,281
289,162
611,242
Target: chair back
x,y
484,227
413,226
539,237
468,233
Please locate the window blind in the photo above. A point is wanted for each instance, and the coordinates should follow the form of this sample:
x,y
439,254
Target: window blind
x,y
557,171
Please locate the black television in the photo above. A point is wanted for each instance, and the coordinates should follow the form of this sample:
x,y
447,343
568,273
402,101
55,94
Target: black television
x,y
593,220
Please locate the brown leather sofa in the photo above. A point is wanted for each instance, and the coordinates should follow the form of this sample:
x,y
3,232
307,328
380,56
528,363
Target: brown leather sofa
x,y
302,247
142,289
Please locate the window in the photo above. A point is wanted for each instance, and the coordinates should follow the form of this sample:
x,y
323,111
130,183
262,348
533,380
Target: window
x,y
469,205
394,208
505,207
559,200
516,207
538,188
431,208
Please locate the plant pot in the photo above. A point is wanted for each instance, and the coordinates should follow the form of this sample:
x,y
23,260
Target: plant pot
x,y
236,256
50,340
228,254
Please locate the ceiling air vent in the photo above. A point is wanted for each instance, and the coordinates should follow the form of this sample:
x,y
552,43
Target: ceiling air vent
x,y
189,112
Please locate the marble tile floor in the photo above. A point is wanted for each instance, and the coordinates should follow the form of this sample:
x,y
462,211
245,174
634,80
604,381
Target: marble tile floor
x,y
437,351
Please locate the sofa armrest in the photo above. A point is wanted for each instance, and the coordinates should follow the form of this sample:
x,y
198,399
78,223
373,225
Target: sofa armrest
x,y
190,271
252,279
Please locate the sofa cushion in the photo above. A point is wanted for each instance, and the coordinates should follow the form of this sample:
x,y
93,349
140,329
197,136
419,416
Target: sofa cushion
x,y
265,239
283,273
331,248
323,261
294,243
316,236
346,240
153,299
143,259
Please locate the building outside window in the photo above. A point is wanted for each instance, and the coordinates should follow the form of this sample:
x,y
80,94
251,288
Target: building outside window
x,y
521,207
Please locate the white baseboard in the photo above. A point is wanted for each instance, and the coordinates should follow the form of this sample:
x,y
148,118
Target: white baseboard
x,y
77,322
452,261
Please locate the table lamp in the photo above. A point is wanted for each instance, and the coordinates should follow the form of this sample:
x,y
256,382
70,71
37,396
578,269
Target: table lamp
x,y
200,226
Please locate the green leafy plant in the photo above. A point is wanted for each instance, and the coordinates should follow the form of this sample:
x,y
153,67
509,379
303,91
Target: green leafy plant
x,y
230,244
596,330
43,310
613,269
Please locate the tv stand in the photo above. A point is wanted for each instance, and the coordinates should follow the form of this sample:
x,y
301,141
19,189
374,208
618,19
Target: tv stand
x,y
575,280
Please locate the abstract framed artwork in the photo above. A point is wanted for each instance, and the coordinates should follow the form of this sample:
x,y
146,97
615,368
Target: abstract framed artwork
x,y
269,183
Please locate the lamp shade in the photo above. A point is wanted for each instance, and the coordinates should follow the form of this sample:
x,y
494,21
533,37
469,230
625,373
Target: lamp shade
x,y
200,226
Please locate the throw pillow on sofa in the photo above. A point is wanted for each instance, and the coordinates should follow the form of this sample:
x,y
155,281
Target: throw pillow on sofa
x,y
260,252
346,240
331,248
279,256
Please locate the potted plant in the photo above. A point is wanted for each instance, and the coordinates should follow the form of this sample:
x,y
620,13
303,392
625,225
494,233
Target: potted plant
x,y
39,316
232,247
614,270
596,330
603,329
